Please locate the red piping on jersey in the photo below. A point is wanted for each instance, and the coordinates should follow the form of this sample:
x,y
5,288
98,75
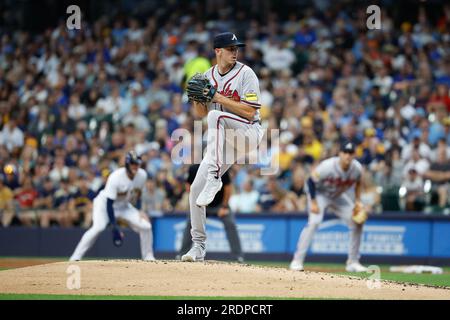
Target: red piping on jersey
x,y
214,78
217,138
215,81
225,85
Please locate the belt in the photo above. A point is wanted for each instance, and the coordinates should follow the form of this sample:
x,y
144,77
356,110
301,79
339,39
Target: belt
x,y
252,122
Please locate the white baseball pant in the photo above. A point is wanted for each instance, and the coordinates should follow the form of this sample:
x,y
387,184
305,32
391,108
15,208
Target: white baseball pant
x,y
100,221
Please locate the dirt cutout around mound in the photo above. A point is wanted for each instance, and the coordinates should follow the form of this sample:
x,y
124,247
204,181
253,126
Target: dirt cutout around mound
x,y
215,279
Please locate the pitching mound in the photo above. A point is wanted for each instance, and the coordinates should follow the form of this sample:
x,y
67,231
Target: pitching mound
x,y
173,278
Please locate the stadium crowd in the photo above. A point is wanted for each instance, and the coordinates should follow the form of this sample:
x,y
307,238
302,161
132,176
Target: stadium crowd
x,y
72,102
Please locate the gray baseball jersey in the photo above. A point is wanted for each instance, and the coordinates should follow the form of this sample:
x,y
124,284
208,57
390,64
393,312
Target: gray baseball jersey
x,y
331,181
240,83
331,186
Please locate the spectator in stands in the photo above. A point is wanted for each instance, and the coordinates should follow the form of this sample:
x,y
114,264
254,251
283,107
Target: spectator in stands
x,y
138,120
111,104
77,110
6,203
446,132
297,194
61,200
414,198
312,146
272,197
12,137
12,179
416,144
420,165
60,170
439,174
25,196
370,195
80,204
44,202
286,153
245,201
154,199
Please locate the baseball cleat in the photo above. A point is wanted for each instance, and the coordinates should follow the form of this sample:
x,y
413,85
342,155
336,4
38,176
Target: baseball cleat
x,y
296,266
212,186
196,253
355,267
150,257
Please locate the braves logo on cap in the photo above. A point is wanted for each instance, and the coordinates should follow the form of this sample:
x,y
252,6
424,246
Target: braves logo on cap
x,y
348,147
227,39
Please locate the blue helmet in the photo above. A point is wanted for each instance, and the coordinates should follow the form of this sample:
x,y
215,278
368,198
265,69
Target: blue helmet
x,y
132,158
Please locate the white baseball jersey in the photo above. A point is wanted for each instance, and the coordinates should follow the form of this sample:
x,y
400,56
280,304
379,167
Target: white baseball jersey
x,y
331,181
121,189
240,83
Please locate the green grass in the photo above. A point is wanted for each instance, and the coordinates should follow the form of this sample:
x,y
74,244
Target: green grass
x,y
442,280
87,297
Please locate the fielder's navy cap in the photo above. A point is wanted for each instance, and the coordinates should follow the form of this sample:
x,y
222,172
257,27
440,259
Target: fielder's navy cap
x,y
227,39
348,147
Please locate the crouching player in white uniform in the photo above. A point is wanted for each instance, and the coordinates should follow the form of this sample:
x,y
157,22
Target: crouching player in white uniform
x,y
327,188
123,187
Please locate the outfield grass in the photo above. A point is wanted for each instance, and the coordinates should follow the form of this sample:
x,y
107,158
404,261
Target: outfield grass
x,y
442,280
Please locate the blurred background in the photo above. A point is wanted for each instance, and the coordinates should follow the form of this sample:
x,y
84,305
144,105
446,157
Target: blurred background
x,y
72,102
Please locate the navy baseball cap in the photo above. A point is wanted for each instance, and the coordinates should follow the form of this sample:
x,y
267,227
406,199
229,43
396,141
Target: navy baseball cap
x,y
348,147
227,39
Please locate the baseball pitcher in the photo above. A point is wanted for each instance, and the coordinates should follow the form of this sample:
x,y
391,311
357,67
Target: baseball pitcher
x,y
123,187
327,188
229,95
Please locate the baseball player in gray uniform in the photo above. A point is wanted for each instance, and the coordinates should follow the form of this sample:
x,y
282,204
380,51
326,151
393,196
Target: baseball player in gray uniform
x,y
327,188
234,107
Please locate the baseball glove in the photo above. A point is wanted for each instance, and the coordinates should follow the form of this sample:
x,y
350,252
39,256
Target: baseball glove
x,y
359,214
200,89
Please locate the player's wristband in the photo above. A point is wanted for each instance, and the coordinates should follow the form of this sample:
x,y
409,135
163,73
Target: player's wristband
x,y
226,206
311,188
110,211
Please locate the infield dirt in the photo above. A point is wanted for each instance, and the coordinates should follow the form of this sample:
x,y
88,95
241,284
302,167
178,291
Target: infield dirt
x,y
216,279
